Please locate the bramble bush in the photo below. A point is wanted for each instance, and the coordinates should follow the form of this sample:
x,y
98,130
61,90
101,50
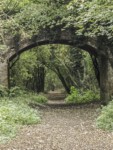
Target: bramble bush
x,y
80,97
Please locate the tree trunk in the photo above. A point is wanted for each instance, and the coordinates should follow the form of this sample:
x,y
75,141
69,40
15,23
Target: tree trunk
x,y
40,79
106,80
4,80
96,68
63,80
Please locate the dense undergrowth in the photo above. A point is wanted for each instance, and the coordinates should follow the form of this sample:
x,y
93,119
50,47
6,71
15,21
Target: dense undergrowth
x,y
15,111
80,97
105,119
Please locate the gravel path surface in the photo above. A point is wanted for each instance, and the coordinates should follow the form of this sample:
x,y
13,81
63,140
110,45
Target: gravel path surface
x,y
71,128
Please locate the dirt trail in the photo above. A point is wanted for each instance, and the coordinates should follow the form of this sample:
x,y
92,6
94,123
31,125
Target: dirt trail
x,y
65,128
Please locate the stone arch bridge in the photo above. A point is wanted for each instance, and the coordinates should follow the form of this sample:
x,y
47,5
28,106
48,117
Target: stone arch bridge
x,y
101,54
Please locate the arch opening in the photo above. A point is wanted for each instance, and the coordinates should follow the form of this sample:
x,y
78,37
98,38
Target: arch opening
x,y
66,75
67,37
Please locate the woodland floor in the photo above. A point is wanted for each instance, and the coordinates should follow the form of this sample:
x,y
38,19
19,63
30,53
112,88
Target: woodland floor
x,y
63,128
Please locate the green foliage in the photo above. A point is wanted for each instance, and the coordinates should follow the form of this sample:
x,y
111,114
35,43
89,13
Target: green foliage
x,y
80,97
24,72
88,18
74,96
15,110
26,97
3,91
13,6
20,114
39,98
16,91
93,18
105,120
14,113
12,92
52,82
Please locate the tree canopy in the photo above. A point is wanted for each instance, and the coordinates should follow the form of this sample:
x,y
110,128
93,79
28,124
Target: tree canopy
x,y
92,18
